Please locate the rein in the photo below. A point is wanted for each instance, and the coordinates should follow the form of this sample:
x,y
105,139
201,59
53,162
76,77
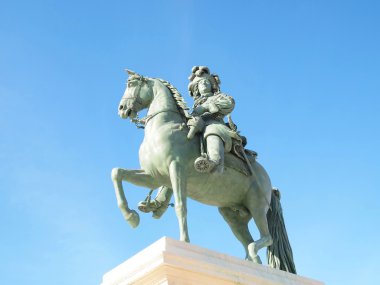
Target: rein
x,y
141,123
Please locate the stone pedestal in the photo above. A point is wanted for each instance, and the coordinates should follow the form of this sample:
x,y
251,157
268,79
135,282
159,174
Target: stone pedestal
x,y
172,262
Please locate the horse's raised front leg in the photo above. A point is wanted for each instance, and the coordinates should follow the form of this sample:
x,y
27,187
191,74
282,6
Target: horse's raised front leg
x,y
178,180
136,177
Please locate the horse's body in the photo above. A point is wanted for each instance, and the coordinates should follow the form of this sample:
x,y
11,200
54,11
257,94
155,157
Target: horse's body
x,y
167,159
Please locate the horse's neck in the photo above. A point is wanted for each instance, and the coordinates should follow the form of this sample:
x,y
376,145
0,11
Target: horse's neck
x,y
163,111
162,99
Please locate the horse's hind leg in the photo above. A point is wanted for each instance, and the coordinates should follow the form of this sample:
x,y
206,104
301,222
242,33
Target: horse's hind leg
x,y
238,223
260,218
137,177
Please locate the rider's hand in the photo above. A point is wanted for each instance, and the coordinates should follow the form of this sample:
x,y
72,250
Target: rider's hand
x,y
196,125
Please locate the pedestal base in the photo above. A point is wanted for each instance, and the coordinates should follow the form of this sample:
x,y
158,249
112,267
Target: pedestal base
x,y
172,262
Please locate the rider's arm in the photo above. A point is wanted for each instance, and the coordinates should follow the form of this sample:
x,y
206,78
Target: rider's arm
x,y
221,103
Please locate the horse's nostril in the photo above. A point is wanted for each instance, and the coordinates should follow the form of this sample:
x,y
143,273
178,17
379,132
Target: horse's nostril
x,y
121,107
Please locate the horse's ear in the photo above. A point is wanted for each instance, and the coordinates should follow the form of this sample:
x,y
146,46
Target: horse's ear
x,y
131,73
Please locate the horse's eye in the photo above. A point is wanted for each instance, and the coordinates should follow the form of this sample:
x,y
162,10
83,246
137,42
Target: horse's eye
x,y
131,84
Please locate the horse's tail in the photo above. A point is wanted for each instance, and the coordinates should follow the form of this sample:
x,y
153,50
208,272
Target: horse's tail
x,y
280,253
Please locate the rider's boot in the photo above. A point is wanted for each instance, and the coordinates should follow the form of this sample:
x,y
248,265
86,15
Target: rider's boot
x,y
159,205
214,162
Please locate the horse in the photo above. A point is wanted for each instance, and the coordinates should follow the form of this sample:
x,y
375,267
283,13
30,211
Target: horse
x,y
167,158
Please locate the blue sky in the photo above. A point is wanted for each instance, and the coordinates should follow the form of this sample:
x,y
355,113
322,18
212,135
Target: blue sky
x,y
304,74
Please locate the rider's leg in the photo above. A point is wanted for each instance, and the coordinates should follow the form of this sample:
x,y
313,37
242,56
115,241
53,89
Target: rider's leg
x,y
163,198
159,205
215,151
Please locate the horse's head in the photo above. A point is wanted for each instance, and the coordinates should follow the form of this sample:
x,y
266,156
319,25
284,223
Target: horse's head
x,y
137,96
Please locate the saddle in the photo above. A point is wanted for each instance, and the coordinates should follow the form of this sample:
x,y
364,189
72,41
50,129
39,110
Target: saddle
x,y
238,157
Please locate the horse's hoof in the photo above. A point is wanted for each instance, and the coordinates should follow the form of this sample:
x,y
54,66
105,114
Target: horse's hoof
x,y
160,211
257,259
133,219
147,207
252,251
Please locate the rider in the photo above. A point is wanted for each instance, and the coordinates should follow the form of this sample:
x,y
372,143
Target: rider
x,y
210,108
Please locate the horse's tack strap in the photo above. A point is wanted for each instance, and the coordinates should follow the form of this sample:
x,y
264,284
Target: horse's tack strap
x,y
149,117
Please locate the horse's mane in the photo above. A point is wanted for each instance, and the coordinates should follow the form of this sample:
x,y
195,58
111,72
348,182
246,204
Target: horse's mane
x,y
178,99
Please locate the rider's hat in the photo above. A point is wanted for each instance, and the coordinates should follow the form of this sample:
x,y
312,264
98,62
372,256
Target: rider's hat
x,y
202,72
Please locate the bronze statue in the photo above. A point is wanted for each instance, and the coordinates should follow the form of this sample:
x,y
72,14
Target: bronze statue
x,y
232,181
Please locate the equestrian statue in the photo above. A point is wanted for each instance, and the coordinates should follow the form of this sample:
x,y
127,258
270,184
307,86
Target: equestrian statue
x,y
200,156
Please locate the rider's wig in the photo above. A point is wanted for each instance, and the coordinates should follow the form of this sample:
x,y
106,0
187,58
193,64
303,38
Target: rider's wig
x,y
202,72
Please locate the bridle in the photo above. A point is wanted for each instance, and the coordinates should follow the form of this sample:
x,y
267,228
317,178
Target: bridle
x,y
141,123
135,96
